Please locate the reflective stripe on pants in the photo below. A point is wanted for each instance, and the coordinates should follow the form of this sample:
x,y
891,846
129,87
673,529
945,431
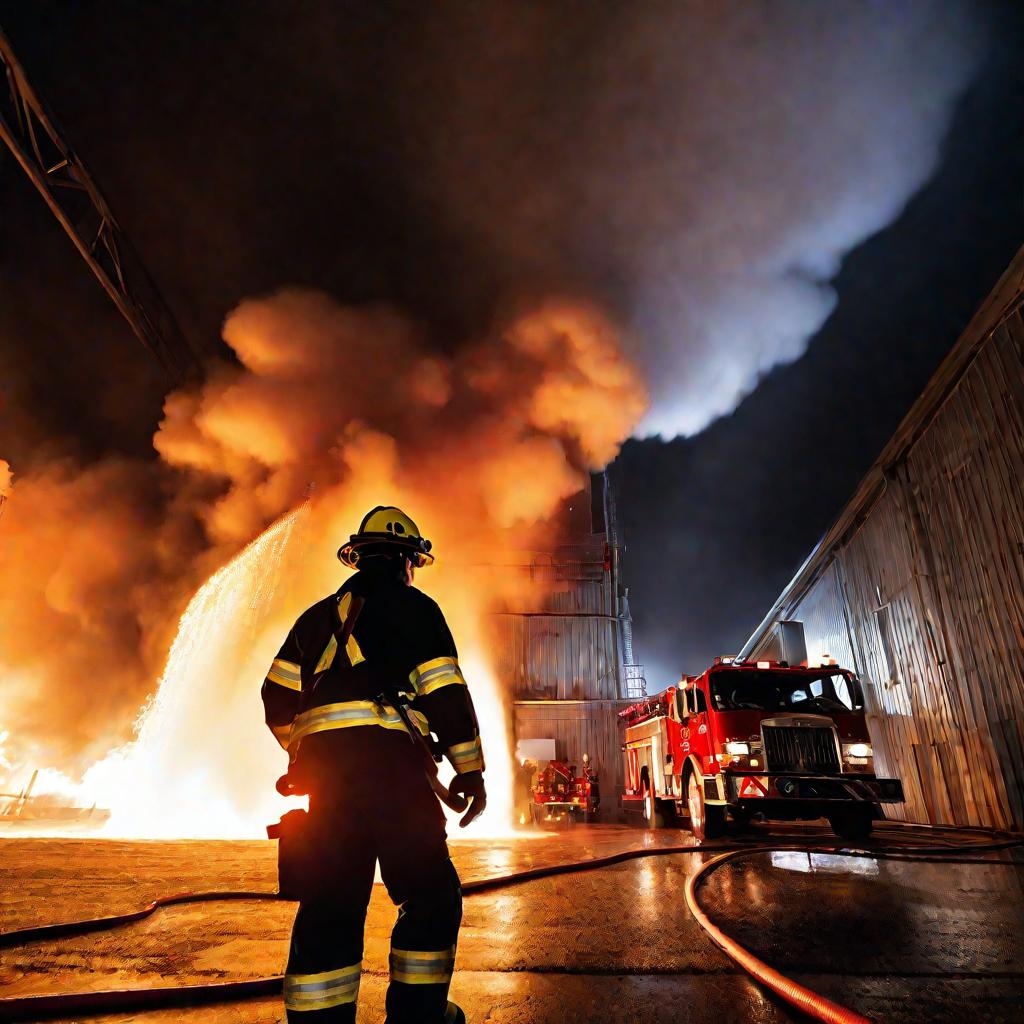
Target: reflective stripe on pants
x,y
422,967
322,991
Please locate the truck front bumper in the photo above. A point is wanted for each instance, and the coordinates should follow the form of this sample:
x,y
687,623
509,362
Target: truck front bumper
x,y
793,788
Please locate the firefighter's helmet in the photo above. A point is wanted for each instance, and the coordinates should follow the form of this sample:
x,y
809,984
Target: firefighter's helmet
x,y
386,530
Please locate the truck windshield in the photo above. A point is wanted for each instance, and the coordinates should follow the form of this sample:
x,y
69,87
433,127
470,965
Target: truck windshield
x,y
825,692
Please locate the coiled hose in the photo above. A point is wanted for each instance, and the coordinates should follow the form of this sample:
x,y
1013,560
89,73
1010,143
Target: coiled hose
x,y
35,1008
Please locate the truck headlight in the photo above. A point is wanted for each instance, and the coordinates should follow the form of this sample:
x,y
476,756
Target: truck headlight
x,y
858,749
737,749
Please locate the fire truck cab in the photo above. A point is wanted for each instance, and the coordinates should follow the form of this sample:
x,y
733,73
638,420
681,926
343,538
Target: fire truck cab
x,y
750,738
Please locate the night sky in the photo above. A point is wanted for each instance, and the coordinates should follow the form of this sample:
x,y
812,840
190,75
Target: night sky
x,y
326,145
723,521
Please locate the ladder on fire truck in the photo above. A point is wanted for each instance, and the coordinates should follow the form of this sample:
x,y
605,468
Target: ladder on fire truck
x,y
46,156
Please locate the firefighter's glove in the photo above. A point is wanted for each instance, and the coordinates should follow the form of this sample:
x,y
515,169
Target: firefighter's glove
x,y
470,785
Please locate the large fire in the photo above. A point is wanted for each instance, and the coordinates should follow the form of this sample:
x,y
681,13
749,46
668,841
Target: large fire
x,y
204,764
482,449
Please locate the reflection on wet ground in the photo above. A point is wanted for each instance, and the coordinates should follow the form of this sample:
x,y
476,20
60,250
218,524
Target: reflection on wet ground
x,y
898,941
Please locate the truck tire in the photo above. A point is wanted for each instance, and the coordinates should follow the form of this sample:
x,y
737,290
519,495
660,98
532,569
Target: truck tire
x,y
706,822
853,823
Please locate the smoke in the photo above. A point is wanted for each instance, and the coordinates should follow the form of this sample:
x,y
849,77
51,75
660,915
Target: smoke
x,y
502,432
697,170
348,405
704,167
96,567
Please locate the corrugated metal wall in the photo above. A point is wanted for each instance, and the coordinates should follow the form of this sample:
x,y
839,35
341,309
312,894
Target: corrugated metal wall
x,y
926,601
558,658
826,627
569,648
561,659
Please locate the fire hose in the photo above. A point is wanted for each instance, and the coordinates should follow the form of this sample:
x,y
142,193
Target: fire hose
x,y
808,1002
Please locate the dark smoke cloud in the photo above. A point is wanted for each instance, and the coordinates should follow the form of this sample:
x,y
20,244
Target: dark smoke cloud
x,y
701,168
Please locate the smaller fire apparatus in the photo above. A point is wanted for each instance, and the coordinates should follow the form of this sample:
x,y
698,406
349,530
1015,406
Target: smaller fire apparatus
x,y
747,738
559,791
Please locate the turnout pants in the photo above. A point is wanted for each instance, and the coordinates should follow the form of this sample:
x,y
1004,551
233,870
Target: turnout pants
x,y
344,843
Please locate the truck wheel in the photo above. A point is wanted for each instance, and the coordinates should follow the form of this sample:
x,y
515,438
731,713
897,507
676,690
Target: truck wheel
x,y
852,823
705,822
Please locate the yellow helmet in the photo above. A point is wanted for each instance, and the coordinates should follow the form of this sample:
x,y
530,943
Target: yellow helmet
x,y
384,528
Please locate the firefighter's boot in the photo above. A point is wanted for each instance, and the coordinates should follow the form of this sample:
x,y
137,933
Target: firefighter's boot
x,y
423,955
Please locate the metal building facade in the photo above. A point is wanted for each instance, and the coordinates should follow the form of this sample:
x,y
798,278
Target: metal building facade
x,y
919,586
562,661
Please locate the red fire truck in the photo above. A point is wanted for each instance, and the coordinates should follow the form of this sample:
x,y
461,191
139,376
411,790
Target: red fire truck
x,y
755,737
560,792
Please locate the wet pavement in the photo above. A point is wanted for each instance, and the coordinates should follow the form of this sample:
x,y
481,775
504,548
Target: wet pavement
x,y
894,940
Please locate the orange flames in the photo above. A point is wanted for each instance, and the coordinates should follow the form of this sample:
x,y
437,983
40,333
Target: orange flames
x,y
481,448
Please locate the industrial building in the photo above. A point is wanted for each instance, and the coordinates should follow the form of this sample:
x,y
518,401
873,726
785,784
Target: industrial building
x,y
919,584
568,663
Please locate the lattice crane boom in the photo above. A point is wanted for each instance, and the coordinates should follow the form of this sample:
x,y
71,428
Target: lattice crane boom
x,y
69,190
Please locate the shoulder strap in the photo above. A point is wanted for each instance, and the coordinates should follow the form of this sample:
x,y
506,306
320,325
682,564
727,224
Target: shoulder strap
x,y
343,630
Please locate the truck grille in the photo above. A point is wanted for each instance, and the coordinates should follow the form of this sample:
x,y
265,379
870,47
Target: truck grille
x,y
789,748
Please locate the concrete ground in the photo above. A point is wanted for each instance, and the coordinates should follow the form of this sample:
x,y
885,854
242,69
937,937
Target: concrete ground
x,y
896,941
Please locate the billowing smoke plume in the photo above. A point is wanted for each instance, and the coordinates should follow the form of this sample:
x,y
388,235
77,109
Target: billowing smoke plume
x,y
347,405
501,431
705,167
97,564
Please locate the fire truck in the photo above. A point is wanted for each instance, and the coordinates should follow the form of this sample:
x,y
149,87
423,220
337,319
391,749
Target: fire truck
x,y
560,792
755,738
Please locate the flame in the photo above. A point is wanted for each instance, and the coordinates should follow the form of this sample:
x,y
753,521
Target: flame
x,y
203,764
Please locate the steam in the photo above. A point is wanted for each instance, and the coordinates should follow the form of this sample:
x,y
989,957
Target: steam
x,y
703,167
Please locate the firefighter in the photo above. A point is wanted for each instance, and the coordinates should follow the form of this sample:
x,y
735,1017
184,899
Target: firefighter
x,y
357,670
590,774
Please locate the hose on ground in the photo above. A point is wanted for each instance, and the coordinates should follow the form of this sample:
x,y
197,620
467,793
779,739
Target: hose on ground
x,y
37,1008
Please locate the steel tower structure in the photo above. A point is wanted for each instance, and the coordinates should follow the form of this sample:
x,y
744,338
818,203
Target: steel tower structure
x,y
44,153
